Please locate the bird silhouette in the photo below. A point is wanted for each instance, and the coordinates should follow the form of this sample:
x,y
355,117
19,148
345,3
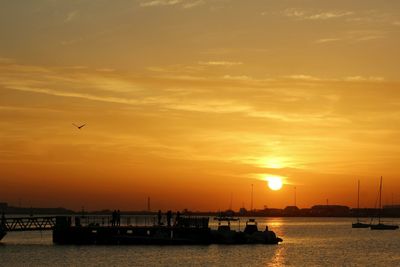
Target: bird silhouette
x,y
79,127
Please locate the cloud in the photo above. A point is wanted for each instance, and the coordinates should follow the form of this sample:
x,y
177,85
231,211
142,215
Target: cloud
x,y
6,60
248,124
220,63
186,4
152,3
308,15
193,4
105,70
71,16
363,79
354,36
184,93
329,15
237,78
303,77
327,40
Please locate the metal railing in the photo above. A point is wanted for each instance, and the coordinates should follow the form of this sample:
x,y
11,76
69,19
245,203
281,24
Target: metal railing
x,y
28,224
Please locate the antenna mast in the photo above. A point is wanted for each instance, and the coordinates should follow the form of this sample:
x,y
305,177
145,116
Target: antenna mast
x,y
251,205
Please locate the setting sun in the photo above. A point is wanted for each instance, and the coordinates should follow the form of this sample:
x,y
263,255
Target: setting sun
x,y
274,183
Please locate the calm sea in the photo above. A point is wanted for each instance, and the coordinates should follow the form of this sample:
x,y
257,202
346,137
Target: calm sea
x,y
307,242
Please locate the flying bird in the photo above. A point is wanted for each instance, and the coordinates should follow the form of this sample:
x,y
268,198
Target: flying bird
x,y
79,127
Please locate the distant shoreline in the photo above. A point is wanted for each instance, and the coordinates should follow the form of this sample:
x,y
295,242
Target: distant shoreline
x,y
290,211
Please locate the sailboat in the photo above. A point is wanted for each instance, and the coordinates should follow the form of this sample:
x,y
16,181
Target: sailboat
x,y
359,224
381,226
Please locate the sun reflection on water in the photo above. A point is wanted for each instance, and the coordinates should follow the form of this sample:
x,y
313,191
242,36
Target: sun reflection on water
x,y
279,258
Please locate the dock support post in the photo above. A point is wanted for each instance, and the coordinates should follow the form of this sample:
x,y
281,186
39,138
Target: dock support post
x,y
3,231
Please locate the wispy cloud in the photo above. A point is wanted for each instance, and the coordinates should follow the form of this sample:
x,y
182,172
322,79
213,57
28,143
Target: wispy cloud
x,y
192,4
303,77
71,16
221,63
363,79
327,40
313,15
6,60
183,3
354,36
237,78
329,15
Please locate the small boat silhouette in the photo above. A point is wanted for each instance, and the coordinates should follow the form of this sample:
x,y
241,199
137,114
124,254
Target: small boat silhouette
x,y
359,224
381,226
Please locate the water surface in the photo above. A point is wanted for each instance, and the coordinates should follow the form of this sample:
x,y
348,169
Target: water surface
x,y
307,242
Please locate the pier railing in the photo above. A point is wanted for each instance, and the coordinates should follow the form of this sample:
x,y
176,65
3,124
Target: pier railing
x,y
125,220
48,223
27,224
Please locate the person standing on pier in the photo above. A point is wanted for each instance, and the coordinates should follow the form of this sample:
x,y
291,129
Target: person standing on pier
x,y
114,218
169,217
177,217
159,216
118,218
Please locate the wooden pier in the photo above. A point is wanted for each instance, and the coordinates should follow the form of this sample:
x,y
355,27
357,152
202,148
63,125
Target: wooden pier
x,y
102,230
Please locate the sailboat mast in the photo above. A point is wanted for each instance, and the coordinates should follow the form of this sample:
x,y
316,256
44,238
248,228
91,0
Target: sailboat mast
x,y
380,200
358,201
358,196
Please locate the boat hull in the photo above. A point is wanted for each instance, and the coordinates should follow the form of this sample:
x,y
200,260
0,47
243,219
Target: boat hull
x,y
384,227
360,225
157,236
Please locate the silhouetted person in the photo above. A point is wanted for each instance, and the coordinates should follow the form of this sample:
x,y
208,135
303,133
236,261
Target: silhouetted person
x,y
118,218
271,237
159,216
114,218
169,217
178,216
77,221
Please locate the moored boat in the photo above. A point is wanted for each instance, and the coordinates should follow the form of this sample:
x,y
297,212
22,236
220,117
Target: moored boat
x,y
380,225
359,224
251,235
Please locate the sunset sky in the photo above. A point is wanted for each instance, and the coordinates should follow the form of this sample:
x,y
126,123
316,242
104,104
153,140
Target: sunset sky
x,y
192,101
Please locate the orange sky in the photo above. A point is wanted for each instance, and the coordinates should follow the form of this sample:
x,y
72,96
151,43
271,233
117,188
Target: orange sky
x,y
190,101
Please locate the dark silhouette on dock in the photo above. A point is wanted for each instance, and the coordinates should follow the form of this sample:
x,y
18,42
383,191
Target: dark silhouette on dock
x,y
159,217
116,218
186,230
169,217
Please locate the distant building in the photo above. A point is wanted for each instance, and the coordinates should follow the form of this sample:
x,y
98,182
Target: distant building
x,y
273,212
391,210
305,212
330,210
228,213
291,211
391,207
3,206
242,211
